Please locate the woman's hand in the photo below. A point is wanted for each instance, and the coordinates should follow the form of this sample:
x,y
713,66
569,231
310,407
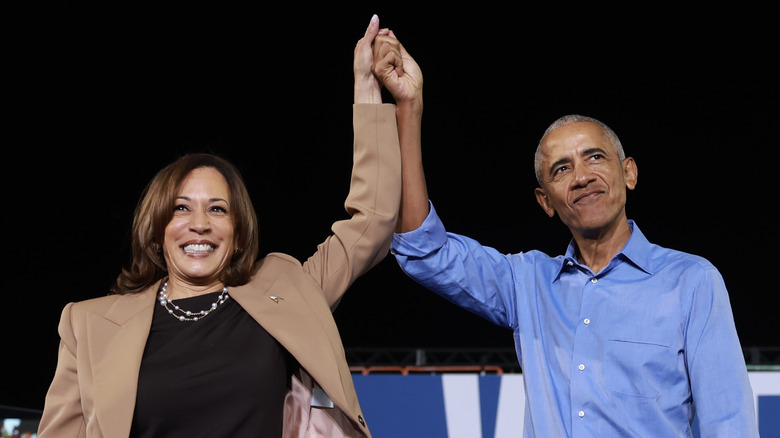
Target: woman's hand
x,y
367,88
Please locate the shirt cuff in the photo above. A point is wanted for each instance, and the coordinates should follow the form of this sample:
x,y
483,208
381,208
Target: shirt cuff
x,y
426,239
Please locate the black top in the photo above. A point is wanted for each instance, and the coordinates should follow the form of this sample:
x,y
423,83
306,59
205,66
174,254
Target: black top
x,y
220,376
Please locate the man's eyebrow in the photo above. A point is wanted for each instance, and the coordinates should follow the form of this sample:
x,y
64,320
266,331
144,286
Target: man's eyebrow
x,y
591,151
586,152
560,162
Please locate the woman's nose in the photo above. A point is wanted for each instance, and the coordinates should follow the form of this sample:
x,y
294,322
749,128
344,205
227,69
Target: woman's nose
x,y
199,222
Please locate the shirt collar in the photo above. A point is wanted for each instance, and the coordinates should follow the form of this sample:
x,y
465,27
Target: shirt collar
x,y
636,251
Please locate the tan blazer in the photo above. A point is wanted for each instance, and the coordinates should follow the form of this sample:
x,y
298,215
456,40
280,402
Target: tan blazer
x,y
102,340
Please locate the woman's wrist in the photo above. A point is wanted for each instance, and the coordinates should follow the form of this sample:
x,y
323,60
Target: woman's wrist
x,y
367,92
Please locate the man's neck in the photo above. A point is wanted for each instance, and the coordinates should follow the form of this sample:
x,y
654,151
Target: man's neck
x,y
595,249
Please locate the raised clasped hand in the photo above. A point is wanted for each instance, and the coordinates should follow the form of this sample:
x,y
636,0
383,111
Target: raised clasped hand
x,y
395,69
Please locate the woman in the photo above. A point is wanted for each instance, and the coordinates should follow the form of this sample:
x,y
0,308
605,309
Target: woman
x,y
201,339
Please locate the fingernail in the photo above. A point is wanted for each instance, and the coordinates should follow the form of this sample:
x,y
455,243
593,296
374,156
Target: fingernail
x,y
374,18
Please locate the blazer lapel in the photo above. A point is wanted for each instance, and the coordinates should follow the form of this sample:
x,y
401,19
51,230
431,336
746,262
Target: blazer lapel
x,y
116,344
290,306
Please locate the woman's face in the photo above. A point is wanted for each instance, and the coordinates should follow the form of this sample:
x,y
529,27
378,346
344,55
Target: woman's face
x,y
198,241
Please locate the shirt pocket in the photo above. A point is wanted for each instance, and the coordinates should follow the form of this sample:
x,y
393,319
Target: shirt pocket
x,y
636,368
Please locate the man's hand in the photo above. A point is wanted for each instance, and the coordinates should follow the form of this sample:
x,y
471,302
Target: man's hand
x,y
396,70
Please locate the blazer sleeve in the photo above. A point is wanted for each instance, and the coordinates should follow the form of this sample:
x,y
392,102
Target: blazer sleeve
x,y
63,415
359,243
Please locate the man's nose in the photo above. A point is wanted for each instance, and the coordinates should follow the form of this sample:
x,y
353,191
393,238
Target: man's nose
x,y
582,176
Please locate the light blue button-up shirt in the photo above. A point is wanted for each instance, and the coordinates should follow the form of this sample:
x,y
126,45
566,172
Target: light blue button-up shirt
x,y
633,351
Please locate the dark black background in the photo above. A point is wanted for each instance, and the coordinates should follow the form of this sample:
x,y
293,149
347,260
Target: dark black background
x,y
101,97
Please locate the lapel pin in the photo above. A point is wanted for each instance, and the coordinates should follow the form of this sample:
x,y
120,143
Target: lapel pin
x,y
275,298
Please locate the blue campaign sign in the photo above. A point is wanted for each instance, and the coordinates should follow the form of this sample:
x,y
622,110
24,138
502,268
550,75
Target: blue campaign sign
x,y
442,406
488,406
769,416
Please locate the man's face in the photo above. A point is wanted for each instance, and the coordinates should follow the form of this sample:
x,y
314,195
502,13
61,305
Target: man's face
x,y
584,180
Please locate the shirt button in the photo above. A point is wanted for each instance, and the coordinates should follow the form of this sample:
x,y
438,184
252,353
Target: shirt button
x,y
581,413
581,367
570,263
586,321
594,280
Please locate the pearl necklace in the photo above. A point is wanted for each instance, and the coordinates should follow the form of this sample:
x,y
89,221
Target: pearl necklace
x,y
186,315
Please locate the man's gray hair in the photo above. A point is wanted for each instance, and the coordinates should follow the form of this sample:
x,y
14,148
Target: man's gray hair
x,y
566,121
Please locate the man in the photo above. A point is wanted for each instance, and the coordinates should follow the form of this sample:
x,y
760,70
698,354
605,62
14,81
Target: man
x,y
617,336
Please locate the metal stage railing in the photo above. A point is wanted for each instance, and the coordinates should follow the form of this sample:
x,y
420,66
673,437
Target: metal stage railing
x,y
487,360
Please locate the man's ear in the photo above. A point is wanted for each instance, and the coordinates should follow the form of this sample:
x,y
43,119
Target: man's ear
x,y
630,173
544,201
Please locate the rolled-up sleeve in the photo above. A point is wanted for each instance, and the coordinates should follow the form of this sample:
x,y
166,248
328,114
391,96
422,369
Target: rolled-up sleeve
x,y
426,239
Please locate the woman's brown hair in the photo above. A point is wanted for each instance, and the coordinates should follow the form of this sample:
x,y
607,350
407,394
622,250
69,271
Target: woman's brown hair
x,y
155,210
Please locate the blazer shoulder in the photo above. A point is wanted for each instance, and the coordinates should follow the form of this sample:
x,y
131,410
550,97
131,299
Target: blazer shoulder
x,y
277,260
270,266
116,307
98,304
73,318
